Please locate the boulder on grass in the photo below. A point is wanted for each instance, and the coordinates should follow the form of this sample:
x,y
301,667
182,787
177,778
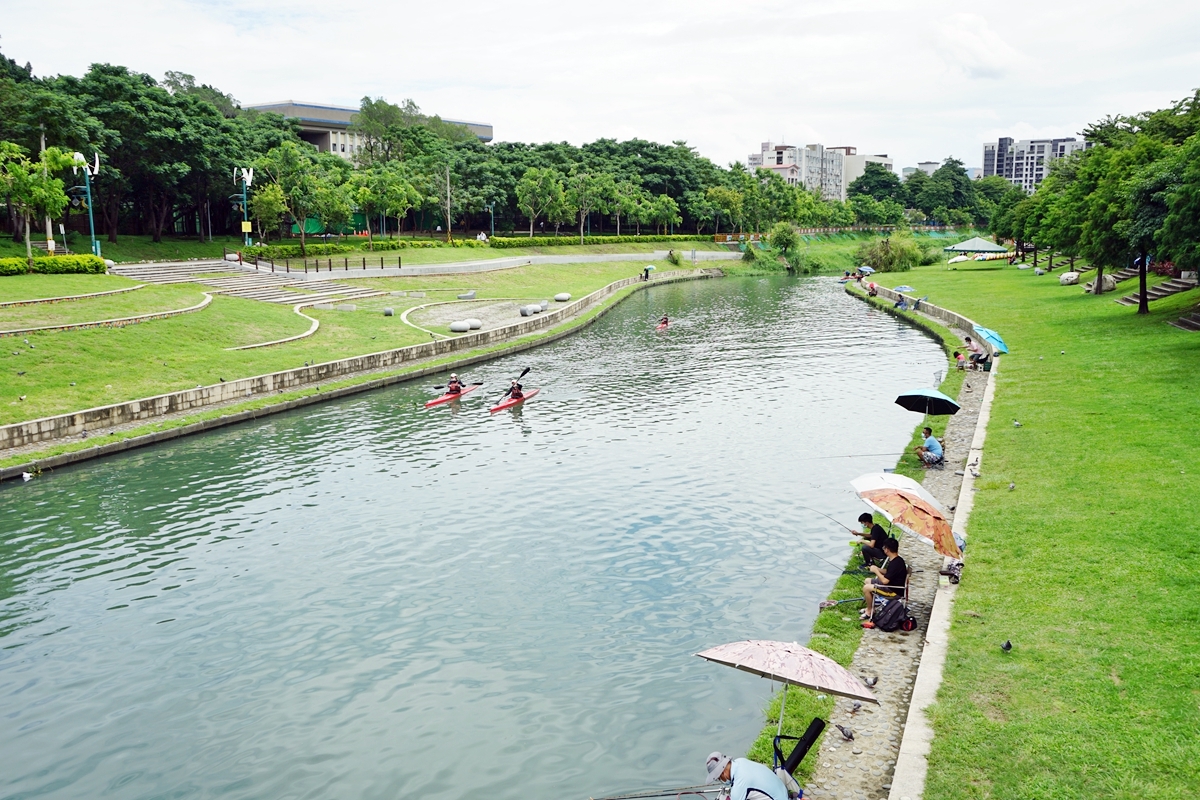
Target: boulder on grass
x,y
1068,279
461,326
562,297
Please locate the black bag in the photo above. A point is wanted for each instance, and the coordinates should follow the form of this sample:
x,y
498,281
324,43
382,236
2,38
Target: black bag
x,y
891,616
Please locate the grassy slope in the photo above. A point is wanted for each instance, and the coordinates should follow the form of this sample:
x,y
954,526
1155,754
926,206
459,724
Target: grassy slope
x,y
29,287
1090,566
143,301
109,365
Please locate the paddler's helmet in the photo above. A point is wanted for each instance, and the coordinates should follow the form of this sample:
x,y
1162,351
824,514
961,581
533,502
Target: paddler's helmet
x,y
453,374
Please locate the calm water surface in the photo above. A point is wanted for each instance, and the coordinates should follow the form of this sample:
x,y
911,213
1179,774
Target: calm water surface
x,y
365,599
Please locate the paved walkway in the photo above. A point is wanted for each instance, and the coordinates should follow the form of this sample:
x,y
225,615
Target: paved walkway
x,y
862,769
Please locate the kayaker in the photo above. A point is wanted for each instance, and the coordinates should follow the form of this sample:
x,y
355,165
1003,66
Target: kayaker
x,y
454,386
514,391
663,321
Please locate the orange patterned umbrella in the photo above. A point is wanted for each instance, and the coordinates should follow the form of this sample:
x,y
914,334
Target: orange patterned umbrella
x,y
909,505
791,664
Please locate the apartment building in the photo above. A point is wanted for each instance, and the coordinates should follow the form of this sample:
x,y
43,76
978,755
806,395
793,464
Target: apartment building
x,y
1026,162
327,127
815,167
854,164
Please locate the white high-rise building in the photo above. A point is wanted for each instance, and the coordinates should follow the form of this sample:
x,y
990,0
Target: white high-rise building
x,y
1027,162
815,167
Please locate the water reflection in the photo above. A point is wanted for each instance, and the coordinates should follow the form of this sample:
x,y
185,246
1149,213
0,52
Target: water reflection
x,y
369,599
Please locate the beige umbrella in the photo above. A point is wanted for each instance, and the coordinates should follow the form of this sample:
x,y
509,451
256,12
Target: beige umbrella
x,y
909,505
791,664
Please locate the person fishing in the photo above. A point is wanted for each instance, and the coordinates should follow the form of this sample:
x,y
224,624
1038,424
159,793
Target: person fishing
x,y
874,536
750,780
454,385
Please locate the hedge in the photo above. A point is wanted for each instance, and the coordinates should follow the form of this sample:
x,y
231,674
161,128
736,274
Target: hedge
x,y
54,265
567,241
278,251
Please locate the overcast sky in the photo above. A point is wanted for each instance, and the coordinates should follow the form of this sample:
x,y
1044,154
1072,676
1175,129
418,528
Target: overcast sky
x,y
919,80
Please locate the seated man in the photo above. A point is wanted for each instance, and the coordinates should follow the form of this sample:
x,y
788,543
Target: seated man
x,y
977,353
751,780
872,549
888,581
931,451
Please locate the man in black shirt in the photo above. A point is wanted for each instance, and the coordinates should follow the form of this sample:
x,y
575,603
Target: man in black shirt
x,y
875,536
888,581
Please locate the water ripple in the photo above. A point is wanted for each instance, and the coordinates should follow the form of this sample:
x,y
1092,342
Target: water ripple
x,y
368,599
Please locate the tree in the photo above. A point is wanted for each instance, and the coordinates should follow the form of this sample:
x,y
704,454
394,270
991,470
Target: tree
x,y
267,206
877,182
700,209
332,203
1146,196
729,201
382,189
380,124
785,242
914,184
1180,234
31,186
624,197
665,211
538,191
583,194
293,169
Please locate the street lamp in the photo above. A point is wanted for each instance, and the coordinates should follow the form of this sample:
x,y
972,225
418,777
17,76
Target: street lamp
x,y
88,171
246,176
491,207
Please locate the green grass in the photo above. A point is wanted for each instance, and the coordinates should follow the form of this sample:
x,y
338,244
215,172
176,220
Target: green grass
x,y
32,287
1090,565
147,300
445,255
110,365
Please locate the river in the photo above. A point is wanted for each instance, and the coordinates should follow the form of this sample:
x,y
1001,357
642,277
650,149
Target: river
x,y
366,599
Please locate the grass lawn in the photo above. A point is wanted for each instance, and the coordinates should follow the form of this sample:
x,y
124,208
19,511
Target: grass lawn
x,y
135,248
146,300
32,287
109,365
1090,565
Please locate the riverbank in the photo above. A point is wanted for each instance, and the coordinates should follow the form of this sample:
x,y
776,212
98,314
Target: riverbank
x,y
124,435
836,768
1081,552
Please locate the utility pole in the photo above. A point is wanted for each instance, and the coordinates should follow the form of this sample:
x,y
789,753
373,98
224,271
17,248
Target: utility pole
x,y
246,177
88,172
448,224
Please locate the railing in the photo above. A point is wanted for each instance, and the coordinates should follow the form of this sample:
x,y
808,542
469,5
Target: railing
x,y
330,265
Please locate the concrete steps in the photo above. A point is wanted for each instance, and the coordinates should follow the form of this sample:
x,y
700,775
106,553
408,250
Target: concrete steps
x,y
1165,289
1124,274
1191,322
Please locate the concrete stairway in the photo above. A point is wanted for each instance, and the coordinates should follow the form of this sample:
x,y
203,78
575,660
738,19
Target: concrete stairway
x,y
1124,274
1191,322
1165,289
268,287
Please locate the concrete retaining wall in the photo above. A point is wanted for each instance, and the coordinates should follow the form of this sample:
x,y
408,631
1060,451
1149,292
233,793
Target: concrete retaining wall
x,y
49,429
943,315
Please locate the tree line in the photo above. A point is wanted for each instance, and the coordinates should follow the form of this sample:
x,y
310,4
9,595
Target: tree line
x,y
168,150
1134,196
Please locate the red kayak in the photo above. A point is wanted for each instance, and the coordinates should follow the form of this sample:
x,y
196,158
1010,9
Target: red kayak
x,y
509,402
662,326
446,398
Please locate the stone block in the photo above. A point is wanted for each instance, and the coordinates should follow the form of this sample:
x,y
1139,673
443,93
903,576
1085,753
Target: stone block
x,y
347,307
388,312
323,306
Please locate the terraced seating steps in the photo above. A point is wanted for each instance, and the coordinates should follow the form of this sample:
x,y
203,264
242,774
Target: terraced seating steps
x,y
1165,289
1191,322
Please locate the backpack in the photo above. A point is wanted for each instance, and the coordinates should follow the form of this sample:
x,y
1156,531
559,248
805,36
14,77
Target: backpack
x,y
891,616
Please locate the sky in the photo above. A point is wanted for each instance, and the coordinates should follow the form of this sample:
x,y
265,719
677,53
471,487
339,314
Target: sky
x,y
919,81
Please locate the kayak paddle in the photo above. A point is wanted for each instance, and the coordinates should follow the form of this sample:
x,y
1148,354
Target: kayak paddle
x,y
509,391
475,383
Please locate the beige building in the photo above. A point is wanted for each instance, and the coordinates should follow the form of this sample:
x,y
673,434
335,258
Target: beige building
x,y
854,164
815,167
328,127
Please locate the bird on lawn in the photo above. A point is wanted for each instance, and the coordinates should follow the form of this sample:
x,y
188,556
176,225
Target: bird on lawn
x,y
1007,646
1016,424
847,734
1011,486
870,682
857,705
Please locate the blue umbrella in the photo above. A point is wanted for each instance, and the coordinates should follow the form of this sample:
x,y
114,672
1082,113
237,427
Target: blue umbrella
x,y
904,288
992,338
865,270
928,401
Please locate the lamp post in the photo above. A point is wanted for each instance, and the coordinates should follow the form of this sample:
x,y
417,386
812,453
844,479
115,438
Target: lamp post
x,y
246,176
88,172
491,207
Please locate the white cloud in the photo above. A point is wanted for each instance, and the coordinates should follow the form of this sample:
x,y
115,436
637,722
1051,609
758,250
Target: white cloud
x,y
917,80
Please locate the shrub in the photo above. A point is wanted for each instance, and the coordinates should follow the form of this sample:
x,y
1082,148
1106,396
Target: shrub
x,y
567,241
54,265
897,253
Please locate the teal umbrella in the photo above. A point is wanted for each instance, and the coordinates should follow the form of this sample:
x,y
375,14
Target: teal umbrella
x,y
992,338
928,401
904,288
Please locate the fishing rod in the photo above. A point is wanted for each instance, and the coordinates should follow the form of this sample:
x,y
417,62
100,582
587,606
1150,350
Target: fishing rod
x,y
856,455
708,787
831,519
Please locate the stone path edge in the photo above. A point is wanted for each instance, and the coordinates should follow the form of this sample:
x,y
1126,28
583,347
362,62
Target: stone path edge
x,y
912,765
113,323
64,459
